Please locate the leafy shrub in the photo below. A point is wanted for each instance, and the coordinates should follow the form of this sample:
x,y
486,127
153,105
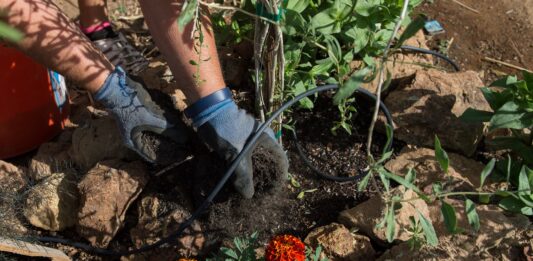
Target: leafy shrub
x,y
512,103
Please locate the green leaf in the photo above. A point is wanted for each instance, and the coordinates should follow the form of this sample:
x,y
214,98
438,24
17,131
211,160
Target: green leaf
x,y
484,199
496,99
359,35
411,175
293,24
385,157
450,219
9,33
229,252
334,49
471,214
415,26
324,22
406,184
523,183
441,155
473,115
429,230
322,68
391,224
297,5
187,13
384,178
363,7
486,172
389,131
510,116
351,85
364,182
515,205
507,81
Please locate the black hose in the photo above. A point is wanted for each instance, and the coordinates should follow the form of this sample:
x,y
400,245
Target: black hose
x,y
362,173
172,237
426,51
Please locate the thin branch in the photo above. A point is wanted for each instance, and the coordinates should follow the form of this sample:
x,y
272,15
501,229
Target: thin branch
x,y
381,80
466,6
488,59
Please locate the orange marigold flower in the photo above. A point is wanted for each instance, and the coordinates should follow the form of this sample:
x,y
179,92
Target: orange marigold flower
x,y
187,259
285,248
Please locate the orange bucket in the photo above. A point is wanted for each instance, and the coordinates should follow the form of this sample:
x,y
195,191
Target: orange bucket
x,y
33,103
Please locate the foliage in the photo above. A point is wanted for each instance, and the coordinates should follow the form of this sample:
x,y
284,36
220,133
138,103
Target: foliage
x,y
322,39
244,249
511,101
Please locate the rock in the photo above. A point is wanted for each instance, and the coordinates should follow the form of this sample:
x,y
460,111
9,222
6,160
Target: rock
x,y
431,105
494,225
496,239
157,220
52,157
53,203
403,66
12,183
106,193
339,244
368,214
12,179
465,172
99,140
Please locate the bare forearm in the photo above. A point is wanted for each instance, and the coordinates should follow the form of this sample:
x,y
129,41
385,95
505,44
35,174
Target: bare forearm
x,y
178,49
53,40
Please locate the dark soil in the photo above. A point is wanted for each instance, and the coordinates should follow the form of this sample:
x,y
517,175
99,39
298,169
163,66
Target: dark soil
x,y
165,149
341,154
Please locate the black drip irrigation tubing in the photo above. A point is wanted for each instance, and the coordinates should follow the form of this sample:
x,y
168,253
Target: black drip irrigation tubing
x,y
426,51
172,238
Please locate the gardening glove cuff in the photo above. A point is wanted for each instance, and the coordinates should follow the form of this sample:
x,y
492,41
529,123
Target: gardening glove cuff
x,y
135,113
225,128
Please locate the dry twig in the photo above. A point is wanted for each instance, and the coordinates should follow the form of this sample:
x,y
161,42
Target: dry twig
x,y
466,6
488,59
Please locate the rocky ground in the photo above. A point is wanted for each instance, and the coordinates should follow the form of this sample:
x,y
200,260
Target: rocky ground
x,y
85,186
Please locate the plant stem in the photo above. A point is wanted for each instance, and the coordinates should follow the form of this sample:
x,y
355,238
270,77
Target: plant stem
x,y
464,193
381,80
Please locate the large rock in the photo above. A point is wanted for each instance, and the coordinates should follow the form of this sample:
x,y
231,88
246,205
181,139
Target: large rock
x,y
158,219
403,66
494,224
13,182
52,157
339,244
370,213
431,105
97,141
496,239
106,193
12,178
53,203
465,173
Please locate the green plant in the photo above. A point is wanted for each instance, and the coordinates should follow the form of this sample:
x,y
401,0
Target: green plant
x,y
321,41
421,229
243,250
511,100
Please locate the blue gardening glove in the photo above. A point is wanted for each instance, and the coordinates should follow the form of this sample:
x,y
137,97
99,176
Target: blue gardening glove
x,y
226,129
136,113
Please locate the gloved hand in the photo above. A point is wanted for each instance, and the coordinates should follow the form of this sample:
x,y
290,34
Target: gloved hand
x,y
226,128
135,113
